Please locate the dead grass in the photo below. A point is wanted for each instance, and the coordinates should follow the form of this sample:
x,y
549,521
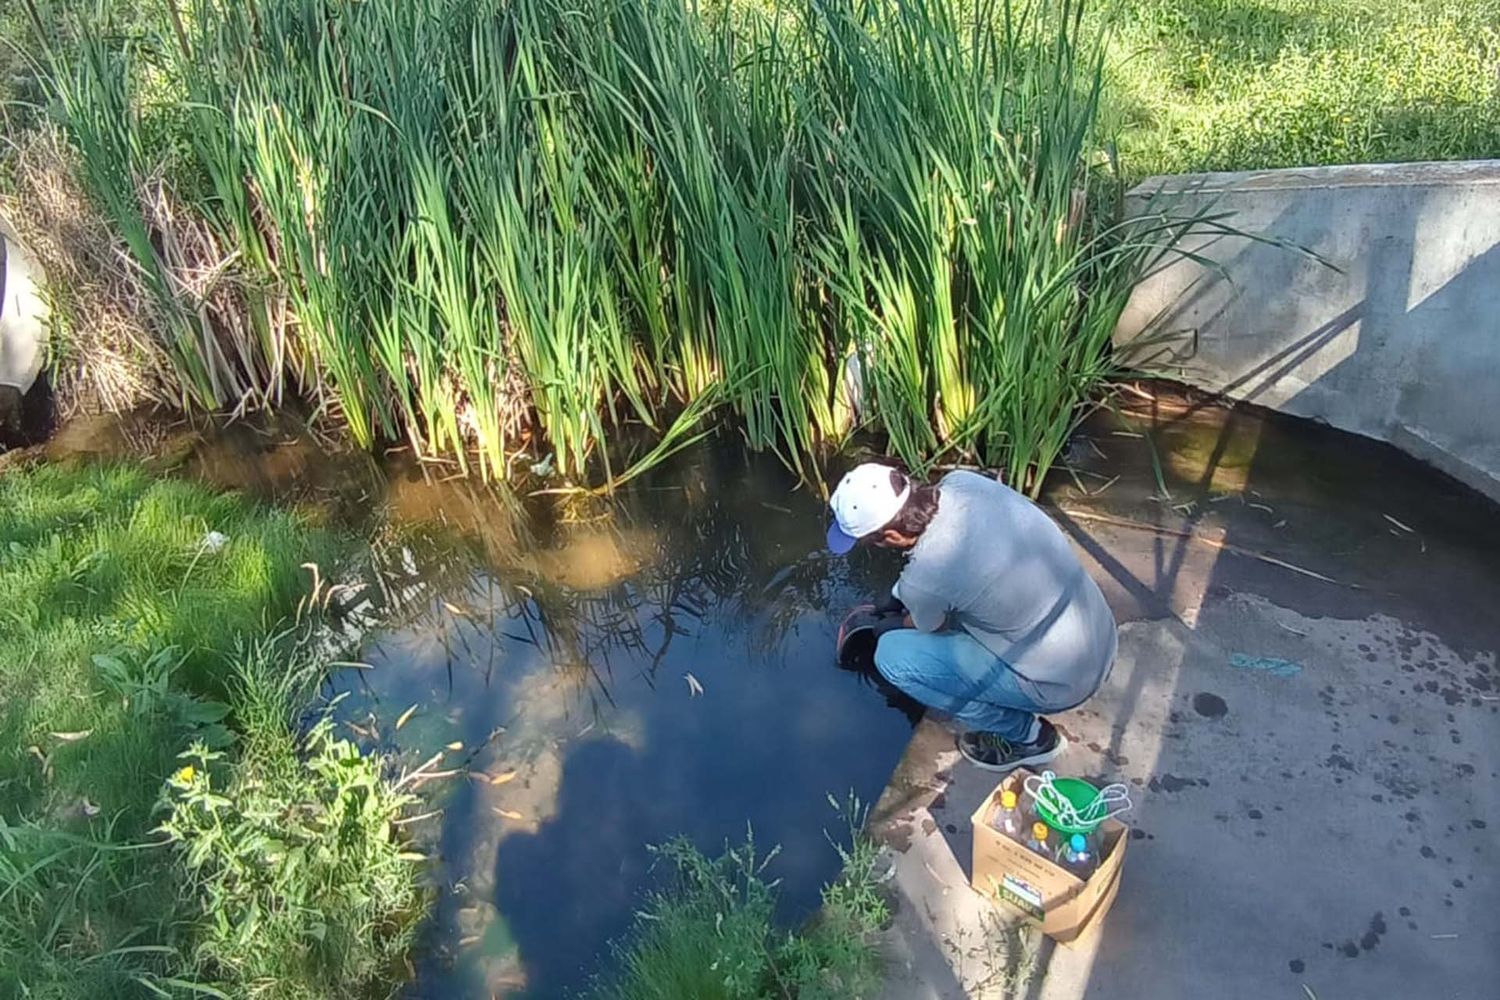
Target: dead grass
x,y
108,353
103,355
208,286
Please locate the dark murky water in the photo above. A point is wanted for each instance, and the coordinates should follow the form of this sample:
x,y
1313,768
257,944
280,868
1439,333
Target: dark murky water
x,y
611,676
1355,511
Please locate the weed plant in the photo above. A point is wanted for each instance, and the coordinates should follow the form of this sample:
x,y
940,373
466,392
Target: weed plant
x,y
710,933
133,620
290,848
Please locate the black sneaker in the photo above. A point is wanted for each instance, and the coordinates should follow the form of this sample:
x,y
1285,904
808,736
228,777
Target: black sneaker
x,y
996,753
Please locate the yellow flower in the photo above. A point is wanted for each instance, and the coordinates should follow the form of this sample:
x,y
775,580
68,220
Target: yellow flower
x,y
185,775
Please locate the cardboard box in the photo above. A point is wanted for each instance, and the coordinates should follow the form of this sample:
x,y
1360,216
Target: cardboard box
x,y
1064,906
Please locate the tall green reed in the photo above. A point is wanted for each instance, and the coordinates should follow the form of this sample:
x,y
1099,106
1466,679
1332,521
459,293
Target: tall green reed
x,y
960,149
491,224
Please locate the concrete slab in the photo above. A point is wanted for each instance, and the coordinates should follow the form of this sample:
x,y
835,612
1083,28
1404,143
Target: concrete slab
x,y
1390,341
1313,761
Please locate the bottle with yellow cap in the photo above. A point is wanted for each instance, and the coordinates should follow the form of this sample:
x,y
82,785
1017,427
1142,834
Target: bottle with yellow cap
x,y
1008,816
1038,841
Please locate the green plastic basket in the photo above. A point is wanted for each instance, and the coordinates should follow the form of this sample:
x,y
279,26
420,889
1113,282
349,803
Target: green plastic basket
x,y
1081,794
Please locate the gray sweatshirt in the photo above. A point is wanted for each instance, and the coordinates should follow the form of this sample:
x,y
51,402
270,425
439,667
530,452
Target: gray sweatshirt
x,y
993,564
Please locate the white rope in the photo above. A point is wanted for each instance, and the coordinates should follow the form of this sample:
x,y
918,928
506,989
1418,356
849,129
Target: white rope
x,y
1111,801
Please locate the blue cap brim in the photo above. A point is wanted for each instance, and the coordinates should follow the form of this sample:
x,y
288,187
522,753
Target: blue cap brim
x,y
839,541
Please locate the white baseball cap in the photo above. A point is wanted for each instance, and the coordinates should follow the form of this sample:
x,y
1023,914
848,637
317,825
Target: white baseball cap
x,y
866,500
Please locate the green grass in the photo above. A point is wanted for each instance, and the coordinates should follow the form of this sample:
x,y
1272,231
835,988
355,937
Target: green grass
x,y
710,934
125,640
109,561
1250,84
481,225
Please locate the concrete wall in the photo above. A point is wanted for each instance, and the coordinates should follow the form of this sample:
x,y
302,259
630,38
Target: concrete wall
x,y
23,314
1401,343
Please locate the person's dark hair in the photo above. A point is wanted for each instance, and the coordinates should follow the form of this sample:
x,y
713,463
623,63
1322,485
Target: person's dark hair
x,y
920,507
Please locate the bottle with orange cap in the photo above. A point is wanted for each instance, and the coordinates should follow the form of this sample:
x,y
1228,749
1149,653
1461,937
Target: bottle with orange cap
x,y
1038,840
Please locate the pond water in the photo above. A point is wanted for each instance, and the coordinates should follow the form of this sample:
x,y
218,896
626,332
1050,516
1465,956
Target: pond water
x,y
590,677
609,676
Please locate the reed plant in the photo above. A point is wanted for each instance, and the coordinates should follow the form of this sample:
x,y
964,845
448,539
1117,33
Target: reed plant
x,y
483,225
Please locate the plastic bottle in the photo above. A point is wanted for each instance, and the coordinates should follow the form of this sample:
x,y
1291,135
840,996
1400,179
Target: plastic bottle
x,y
1008,816
1038,841
1077,856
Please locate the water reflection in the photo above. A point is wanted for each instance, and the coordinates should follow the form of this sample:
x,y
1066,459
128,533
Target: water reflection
x,y
604,676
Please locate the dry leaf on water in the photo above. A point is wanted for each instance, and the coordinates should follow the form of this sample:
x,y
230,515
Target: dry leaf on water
x,y
508,814
405,717
502,778
370,734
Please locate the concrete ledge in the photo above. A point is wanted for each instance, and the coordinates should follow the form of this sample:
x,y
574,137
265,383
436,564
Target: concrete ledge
x,y
1398,340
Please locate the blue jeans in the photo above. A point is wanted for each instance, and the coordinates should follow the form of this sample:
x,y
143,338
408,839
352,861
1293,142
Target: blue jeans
x,y
955,673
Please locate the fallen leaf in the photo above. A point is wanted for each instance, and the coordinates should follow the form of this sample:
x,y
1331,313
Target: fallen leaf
x,y
500,779
455,610
456,745
405,717
369,734
72,737
408,820
694,688
508,814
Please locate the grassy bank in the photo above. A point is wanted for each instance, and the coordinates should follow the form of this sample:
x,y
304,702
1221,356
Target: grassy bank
x,y
1249,84
480,225
135,629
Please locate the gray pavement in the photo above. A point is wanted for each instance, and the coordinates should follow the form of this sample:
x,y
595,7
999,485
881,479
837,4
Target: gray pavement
x,y
1313,763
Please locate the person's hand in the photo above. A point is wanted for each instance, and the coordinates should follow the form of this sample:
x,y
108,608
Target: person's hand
x,y
889,605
